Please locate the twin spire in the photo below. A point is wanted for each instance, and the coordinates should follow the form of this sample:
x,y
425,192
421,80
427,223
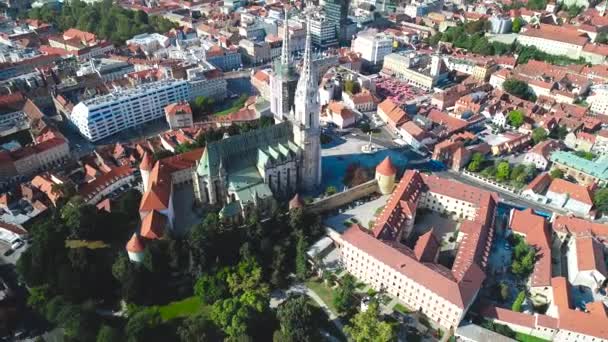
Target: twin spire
x,y
285,53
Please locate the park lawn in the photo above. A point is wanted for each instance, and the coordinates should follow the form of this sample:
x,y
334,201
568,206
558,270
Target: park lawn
x,y
235,106
182,308
528,338
326,294
402,309
86,244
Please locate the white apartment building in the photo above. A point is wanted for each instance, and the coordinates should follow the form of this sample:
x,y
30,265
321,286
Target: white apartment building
x,y
373,46
103,116
598,100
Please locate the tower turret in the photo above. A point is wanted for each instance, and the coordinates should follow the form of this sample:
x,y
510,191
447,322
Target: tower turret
x,y
385,175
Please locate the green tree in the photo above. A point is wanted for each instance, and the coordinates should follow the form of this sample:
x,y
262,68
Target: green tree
x,y
344,299
517,24
297,320
330,190
502,171
301,257
516,87
600,200
232,316
515,118
142,326
197,328
108,334
352,87
539,134
489,172
503,291
212,287
367,326
517,304
556,173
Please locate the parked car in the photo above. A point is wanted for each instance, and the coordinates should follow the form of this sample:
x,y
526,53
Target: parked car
x,y
9,252
17,244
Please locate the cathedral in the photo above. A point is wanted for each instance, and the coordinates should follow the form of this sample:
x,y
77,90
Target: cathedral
x,y
244,172
247,171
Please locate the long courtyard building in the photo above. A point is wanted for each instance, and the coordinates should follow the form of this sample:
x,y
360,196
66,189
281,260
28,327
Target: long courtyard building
x,y
380,258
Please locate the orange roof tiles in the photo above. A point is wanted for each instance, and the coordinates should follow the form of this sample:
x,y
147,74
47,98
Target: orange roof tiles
x,y
579,227
574,191
153,225
135,245
386,167
557,33
178,108
590,255
539,183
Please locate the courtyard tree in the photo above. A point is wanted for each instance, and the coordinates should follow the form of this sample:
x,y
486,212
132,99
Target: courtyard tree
x,y
539,134
502,171
556,173
344,300
515,118
517,24
367,326
352,87
517,88
297,320
476,162
519,301
600,200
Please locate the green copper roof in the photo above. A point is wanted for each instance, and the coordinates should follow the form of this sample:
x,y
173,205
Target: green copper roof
x,y
597,168
240,151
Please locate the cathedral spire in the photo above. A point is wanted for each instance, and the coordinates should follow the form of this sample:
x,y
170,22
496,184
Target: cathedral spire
x,y
307,76
285,50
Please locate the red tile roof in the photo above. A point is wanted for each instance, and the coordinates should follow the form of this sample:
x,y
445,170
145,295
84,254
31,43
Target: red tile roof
x,y
574,191
135,245
579,227
153,225
386,167
590,255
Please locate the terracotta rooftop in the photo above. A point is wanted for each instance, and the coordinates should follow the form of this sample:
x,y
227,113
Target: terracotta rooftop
x,y
135,245
536,232
153,225
296,202
386,167
574,191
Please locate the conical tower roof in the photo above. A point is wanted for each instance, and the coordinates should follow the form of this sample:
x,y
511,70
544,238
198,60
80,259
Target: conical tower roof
x,y
135,245
296,202
386,168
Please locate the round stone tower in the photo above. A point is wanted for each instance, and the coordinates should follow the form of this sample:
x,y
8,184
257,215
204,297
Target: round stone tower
x,y
385,175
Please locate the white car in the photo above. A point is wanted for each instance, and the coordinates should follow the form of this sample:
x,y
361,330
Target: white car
x,y
17,244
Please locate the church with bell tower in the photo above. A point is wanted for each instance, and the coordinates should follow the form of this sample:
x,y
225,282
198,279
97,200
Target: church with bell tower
x,y
249,170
